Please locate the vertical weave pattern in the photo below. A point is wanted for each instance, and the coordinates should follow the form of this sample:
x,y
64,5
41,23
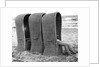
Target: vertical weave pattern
x,y
35,21
49,22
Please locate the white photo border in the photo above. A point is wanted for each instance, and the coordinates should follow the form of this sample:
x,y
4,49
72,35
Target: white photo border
x,y
8,36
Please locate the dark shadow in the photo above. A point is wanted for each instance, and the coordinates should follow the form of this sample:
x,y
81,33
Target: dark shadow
x,y
27,32
58,25
42,37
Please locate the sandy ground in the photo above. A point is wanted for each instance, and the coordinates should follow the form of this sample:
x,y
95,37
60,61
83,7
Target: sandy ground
x,y
69,35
